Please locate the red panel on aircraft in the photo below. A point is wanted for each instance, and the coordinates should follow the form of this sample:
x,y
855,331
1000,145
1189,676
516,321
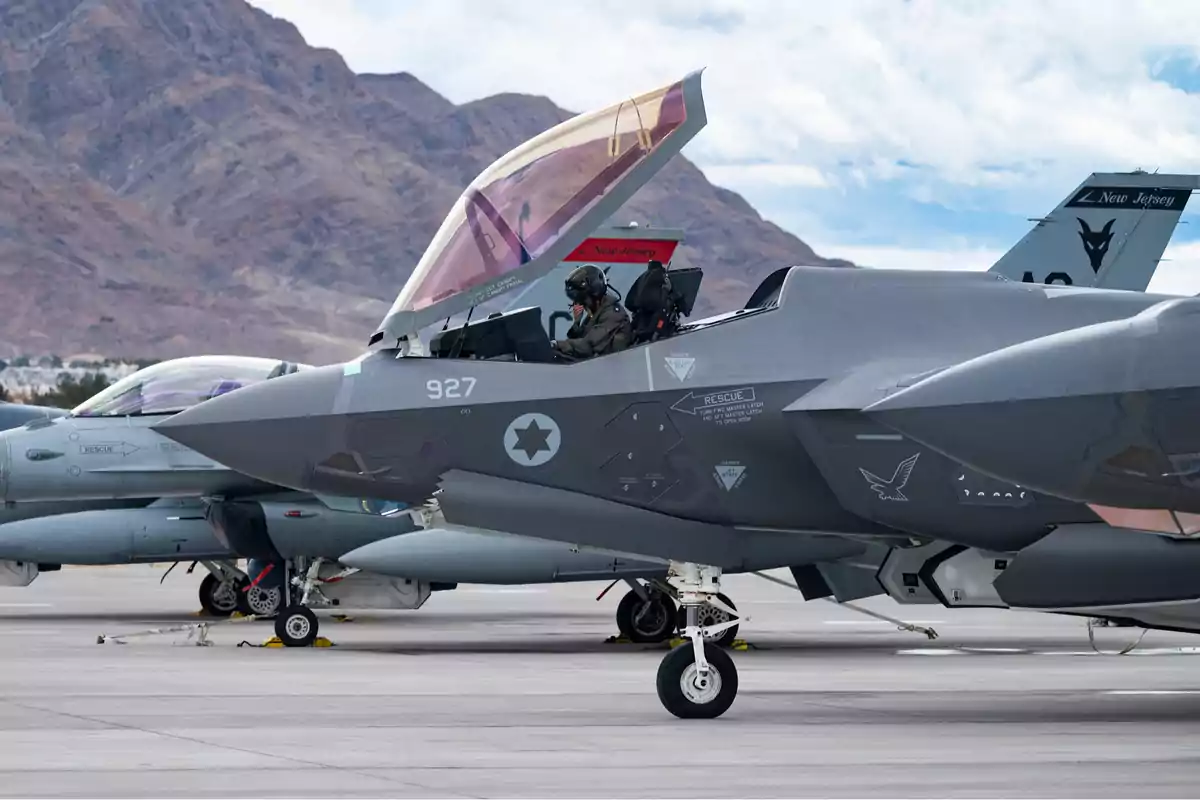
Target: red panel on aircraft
x,y
623,251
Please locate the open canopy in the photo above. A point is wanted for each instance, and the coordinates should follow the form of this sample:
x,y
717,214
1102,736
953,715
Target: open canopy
x,y
534,205
172,386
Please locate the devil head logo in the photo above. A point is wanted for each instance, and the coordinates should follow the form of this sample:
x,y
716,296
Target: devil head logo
x,y
1095,243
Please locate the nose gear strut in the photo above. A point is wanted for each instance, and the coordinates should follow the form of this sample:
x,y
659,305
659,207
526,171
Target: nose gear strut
x,y
698,680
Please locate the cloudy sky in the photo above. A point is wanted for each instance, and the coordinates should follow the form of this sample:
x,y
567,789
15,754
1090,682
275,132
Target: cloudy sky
x,y
898,133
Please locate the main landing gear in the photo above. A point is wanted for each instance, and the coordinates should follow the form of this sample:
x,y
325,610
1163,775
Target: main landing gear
x,y
226,589
647,614
262,596
698,680
219,596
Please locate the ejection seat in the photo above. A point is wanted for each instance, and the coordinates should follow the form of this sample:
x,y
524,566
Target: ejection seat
x,y
658,298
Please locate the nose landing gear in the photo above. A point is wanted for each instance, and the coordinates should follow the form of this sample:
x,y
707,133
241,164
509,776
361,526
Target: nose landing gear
x,y
698,680
296,626
647,614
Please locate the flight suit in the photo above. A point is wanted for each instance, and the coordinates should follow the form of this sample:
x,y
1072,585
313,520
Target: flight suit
x,y
608,330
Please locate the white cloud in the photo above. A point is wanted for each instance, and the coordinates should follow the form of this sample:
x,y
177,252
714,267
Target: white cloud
x,y
953,86
1177,274
978,107
774,175
885,257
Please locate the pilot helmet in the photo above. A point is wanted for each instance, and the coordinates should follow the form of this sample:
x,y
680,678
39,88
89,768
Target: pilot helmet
x,y
587,281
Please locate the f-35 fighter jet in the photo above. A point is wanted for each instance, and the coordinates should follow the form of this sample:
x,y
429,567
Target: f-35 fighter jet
x,y
741,437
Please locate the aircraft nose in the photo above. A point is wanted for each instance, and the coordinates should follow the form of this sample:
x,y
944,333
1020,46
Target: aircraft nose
x,y
1089,414
272,431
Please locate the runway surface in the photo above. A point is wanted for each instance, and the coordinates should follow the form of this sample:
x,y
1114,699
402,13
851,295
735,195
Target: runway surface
x,y
512,692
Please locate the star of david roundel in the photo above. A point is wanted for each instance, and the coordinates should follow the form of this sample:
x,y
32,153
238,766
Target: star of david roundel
x,y
532,439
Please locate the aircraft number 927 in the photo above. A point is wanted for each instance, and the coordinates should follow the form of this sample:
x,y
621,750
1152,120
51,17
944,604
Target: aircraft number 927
x,y
450,388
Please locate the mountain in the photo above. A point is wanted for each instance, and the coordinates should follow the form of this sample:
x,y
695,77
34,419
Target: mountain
x,y
187,177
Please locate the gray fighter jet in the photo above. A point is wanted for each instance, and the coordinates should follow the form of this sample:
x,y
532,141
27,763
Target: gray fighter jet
x,y
99,486
150,524
739,438
444,555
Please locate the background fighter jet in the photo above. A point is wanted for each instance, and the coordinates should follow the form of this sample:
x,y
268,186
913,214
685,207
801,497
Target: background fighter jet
x,y
99,486
733,441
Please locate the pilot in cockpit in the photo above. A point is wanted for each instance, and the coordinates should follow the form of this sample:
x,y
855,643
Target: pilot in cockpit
x,y
601,325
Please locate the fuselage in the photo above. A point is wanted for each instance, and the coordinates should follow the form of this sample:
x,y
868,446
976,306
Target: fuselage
x,y
106,458
711,425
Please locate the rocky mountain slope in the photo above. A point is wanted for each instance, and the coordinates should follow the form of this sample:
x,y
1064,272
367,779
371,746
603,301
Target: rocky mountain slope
x,y
185,177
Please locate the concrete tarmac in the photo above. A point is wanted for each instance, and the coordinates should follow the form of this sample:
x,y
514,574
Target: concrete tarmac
x,y
512,692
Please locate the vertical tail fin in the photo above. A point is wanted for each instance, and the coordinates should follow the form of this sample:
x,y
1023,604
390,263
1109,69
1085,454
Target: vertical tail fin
x,y
621,252
1109,233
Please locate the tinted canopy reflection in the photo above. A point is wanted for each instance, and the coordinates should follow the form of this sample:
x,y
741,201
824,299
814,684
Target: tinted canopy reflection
x,y
172,386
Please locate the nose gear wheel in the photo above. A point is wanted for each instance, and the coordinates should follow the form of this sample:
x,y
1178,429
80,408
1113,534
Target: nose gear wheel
x,y
296,626
687,693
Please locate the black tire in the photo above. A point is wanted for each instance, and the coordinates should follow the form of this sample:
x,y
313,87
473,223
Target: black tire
x,y
646,621
712,616
678,669
296,626
257,601
218,598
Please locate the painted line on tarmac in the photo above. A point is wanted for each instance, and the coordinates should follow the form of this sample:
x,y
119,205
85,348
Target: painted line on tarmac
x,y
881,622
501,590
26,605
1151,691
969,651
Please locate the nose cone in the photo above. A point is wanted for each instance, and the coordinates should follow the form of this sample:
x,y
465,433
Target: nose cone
x,y
1092,414
273,431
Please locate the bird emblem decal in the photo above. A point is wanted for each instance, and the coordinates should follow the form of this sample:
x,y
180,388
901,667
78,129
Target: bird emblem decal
x,y
890,489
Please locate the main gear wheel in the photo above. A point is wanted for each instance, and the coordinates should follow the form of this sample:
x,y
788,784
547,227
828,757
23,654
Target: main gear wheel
x,y
646,620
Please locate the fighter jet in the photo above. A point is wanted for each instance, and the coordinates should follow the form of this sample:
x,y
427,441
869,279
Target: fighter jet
x,y
98,485
738,438
20,572
162,527
645,613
